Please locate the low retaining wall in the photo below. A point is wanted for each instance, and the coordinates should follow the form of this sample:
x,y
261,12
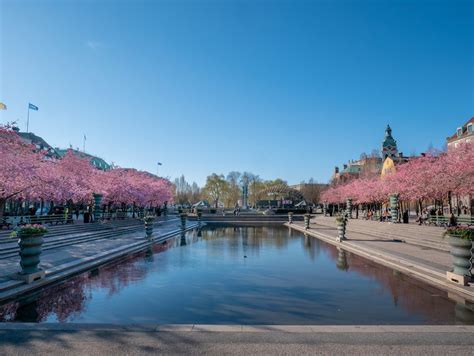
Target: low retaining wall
x,y
246,219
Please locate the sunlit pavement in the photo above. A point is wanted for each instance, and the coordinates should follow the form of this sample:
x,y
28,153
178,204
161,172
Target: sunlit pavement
x,y
235,339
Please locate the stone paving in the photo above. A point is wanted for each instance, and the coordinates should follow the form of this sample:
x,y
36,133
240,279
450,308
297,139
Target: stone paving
x,y
236,340
428,236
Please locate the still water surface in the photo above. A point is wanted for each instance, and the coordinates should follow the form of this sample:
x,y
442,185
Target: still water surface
x,y
241,275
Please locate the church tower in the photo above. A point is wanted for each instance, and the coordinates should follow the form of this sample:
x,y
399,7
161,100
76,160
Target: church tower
x,y
389,145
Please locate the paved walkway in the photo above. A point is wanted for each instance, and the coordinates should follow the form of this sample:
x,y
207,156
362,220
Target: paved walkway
x,y
427,236
236,340
419,261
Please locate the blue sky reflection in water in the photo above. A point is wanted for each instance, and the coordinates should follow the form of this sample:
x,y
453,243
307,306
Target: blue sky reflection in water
x,y
286,278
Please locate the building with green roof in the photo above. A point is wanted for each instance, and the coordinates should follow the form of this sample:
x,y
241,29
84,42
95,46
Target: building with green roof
x,y
97,162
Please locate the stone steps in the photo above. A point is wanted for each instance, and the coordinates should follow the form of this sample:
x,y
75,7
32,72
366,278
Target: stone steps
x,y
48,245
63,229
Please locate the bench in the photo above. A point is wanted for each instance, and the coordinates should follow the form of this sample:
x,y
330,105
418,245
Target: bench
x,y
438,220
441,220
465,220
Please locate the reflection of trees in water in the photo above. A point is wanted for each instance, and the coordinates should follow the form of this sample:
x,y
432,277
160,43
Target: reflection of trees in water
x,y
249,239
412,296
61,300
69,298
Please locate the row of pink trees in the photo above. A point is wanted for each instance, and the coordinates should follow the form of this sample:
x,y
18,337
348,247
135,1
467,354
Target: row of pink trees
x,y
26,173
435,176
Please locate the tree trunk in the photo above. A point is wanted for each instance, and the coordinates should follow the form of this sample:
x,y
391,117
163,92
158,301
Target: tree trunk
x,y
450,203
2,209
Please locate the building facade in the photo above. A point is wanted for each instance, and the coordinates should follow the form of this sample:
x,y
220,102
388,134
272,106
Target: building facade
x,y
382,163
97,162
463,134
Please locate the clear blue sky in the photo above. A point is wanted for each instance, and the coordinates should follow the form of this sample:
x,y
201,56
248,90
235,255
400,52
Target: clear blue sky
x,y
280,88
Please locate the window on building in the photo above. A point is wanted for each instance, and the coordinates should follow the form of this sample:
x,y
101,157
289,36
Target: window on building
x,y
469,128
459,132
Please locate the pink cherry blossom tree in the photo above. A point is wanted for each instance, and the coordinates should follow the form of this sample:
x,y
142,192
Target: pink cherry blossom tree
x,y
20,167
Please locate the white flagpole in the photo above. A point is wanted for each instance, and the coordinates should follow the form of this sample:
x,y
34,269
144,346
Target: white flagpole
x,y
28,119
84,144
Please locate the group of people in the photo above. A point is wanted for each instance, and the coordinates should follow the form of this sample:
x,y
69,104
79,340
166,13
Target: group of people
x,y
385,216
371,215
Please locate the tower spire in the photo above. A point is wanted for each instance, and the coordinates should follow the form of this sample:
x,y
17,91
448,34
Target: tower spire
x,y
389,145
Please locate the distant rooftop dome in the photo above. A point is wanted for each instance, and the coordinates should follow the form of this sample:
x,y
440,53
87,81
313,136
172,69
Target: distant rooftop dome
x,y
97,162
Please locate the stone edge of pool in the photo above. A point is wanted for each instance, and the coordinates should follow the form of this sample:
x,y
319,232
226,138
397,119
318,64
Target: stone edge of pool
x,y
15,288
409,268
240,328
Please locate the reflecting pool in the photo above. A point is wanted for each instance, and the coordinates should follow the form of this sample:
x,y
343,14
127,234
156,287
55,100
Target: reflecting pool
x,y
241,275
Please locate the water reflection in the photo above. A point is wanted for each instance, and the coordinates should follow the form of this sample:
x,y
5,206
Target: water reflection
x,y
250,275
342,260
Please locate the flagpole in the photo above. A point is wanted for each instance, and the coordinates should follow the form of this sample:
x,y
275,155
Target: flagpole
x,y
28,119
84,144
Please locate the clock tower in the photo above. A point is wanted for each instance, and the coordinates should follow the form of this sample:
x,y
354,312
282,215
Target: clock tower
x,y
389,145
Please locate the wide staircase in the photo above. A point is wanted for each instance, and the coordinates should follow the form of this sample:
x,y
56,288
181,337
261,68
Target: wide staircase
x,y
427,236
63,235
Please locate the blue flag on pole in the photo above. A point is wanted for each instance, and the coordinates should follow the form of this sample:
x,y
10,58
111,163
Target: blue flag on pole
x,y
32,107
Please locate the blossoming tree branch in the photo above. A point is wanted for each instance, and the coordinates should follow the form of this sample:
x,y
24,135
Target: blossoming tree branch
x,y
26,174
434,176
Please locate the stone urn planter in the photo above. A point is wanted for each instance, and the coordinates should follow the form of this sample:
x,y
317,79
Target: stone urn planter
x,y
307,219
290,217
30,240
349,208
97,200
183,217
460,242
341,222
394,207
325,209
149,221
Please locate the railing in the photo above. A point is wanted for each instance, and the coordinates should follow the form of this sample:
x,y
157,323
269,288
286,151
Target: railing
x,y
11,221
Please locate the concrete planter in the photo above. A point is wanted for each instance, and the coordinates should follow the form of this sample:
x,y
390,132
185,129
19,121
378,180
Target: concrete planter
x,y
290,218
30,251
461,251
149,221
